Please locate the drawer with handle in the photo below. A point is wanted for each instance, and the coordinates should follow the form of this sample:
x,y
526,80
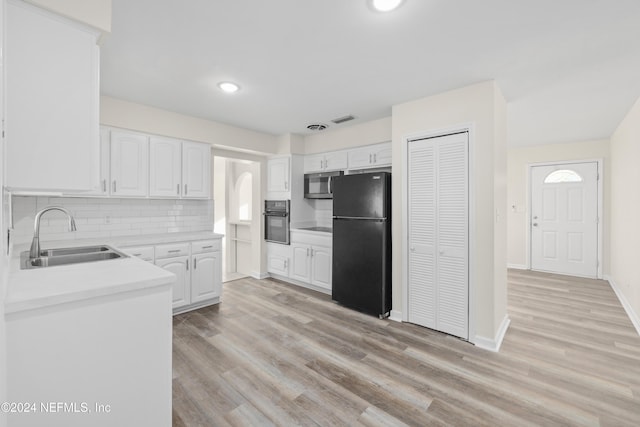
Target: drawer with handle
x,y
172,250
202,246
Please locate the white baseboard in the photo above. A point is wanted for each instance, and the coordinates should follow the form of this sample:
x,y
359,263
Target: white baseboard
x,y
633,316
259,276
517,266
493,344
395,315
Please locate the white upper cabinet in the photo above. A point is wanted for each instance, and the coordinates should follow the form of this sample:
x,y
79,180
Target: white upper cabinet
x,y
325,162
165,166
196,170
129,164
278,175
52,101
378,155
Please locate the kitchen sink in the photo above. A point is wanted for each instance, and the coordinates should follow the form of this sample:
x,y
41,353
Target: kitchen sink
x,y
73,251
66,256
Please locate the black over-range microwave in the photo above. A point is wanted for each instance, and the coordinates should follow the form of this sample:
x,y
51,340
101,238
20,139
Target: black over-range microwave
x,y
318,185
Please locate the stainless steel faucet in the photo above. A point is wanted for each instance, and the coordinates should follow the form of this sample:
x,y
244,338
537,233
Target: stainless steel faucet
x,y
34,252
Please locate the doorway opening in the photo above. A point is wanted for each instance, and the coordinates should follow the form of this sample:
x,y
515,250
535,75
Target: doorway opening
x,y
235,183
565,230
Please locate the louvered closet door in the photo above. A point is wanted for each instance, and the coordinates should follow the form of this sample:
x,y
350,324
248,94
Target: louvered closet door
x,y
438,287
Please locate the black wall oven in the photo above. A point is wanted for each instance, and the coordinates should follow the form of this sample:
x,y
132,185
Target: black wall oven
x,y
276,221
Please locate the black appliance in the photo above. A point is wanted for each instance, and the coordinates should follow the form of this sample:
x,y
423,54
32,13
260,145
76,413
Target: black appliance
x,y
319,185
362,242
276,221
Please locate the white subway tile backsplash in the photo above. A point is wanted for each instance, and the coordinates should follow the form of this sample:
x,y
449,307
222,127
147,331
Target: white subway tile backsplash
x,y
98,217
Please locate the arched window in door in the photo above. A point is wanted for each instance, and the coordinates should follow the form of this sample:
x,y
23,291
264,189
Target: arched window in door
x,y
562,176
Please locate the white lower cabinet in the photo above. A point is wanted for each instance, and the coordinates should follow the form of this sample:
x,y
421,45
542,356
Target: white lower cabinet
x,y
198,269
278,259
205,284
181,289
311,258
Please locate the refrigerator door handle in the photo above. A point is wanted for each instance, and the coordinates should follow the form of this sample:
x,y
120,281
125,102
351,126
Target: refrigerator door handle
x,y
362,217
329,185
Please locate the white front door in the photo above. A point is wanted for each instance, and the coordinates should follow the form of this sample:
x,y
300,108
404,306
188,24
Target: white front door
x,y
564,219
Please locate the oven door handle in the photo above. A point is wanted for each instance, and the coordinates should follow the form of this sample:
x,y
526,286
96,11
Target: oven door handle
x,y
275,214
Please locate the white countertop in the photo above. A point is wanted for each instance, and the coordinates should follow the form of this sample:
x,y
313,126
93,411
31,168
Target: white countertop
x,y
37,288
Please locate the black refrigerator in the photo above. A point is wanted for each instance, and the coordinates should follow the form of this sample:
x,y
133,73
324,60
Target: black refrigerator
x,y
361,277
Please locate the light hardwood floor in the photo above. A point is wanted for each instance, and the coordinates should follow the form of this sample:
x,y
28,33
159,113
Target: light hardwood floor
x,y
275,354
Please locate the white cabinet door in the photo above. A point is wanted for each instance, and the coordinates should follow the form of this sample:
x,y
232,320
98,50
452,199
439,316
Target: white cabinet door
x,y
52,98
165,167
206,276
335,161
129,164
278,174
181,288
301,269
381,154
321,266
196,170
360,158
314,163
105,154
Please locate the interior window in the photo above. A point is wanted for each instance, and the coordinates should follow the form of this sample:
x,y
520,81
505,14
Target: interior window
x,y
561,176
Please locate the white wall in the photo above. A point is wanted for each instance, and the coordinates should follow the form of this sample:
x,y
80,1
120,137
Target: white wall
x,y
625,210
129,115
483,106
518,190
96,13
371,132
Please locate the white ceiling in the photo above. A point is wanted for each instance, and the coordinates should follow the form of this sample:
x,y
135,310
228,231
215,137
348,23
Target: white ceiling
x,y
569,69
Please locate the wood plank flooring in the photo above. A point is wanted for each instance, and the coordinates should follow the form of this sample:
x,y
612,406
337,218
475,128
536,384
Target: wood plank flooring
x,y
276,354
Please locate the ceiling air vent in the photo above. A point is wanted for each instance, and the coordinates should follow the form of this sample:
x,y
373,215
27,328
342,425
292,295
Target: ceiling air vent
x,y
317,126
343,119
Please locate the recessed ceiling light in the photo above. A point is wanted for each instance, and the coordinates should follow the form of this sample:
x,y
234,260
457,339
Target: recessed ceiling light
x,y
228,87
385,5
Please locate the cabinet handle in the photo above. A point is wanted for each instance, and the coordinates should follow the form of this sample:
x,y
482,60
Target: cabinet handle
x,y
286,262
114,185
375,160
187,265
311,252
286,185
178,189
185,190
136,254
307,251
104,185
195,263
207,247
174,251
321,164
369,158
